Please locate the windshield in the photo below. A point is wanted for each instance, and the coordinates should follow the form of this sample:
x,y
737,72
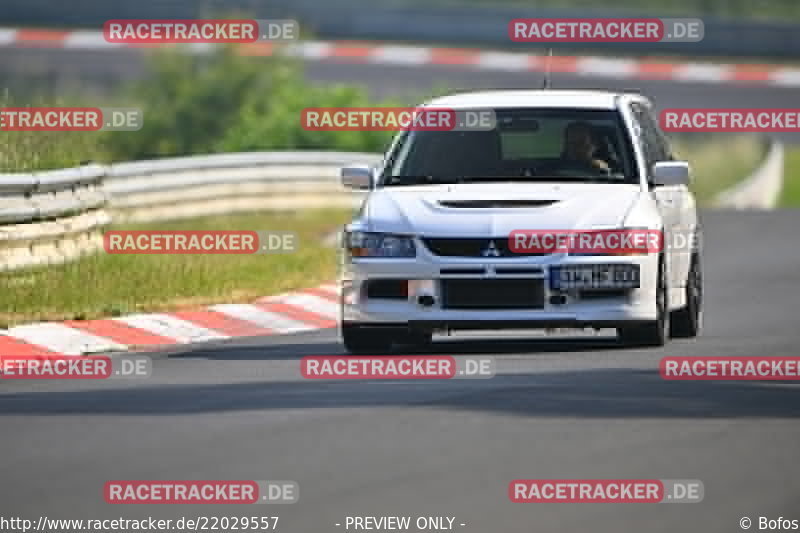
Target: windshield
x,y
527,145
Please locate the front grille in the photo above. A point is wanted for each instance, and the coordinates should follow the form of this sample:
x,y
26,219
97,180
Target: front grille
x,y
511,293
473,247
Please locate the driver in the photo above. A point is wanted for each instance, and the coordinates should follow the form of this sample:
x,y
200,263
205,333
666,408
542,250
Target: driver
x,y
580,146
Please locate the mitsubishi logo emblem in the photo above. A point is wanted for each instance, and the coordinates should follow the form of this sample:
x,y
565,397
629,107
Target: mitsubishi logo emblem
x,y
491,250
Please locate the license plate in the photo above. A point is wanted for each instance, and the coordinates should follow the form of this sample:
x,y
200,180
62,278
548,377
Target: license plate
x,y
595,277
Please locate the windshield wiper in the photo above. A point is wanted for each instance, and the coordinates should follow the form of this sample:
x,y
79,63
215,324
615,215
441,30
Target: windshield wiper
x,y
399,181
565,179
391,181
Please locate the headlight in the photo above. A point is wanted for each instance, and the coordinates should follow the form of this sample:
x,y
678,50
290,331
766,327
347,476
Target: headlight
x,y
363,244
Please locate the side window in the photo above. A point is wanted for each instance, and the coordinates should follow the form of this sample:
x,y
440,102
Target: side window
x,y
653,142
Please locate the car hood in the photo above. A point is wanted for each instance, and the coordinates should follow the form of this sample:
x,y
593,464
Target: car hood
x,y
495,210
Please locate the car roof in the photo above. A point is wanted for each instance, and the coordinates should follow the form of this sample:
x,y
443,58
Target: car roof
x,y
546,98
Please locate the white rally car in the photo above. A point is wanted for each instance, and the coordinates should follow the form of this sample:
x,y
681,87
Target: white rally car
x,y
430,247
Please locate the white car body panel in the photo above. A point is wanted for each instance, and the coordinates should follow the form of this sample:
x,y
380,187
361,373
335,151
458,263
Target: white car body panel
x,y
417,211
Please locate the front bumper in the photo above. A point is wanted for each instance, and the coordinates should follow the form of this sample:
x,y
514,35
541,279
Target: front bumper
x,y
426,275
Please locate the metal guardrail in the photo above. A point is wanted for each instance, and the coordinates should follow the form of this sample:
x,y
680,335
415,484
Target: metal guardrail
x,y
51,217
50,194
207,185
57,216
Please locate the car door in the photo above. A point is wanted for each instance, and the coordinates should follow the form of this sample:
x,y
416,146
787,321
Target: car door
x,y
669,199
686,223
686,227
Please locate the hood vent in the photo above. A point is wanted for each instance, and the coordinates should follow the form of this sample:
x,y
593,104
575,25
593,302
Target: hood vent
x,y
496,204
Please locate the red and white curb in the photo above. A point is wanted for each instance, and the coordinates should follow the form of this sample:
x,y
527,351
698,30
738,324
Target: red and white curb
x,y
361,52
306,310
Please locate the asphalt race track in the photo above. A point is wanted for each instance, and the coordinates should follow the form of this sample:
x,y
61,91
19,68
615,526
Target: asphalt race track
x,y
558,408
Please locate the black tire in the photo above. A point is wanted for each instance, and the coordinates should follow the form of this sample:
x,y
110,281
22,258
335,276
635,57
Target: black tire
x,y
358,340
654,333
687,321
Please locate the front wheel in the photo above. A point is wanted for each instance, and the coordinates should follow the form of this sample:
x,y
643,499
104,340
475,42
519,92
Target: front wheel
x,y
687,321
652,333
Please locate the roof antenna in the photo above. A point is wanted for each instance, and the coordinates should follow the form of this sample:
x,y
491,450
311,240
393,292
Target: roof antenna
x,y
547,69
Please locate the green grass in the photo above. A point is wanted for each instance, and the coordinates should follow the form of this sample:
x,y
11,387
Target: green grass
x,y
790,195
110,285
26,151
719,162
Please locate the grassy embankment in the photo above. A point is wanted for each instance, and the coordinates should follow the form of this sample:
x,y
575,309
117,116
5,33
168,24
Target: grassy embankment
x,y
790,195
110,285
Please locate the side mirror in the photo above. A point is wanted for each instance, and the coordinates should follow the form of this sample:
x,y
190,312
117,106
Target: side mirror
x,y
671,173
357,177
